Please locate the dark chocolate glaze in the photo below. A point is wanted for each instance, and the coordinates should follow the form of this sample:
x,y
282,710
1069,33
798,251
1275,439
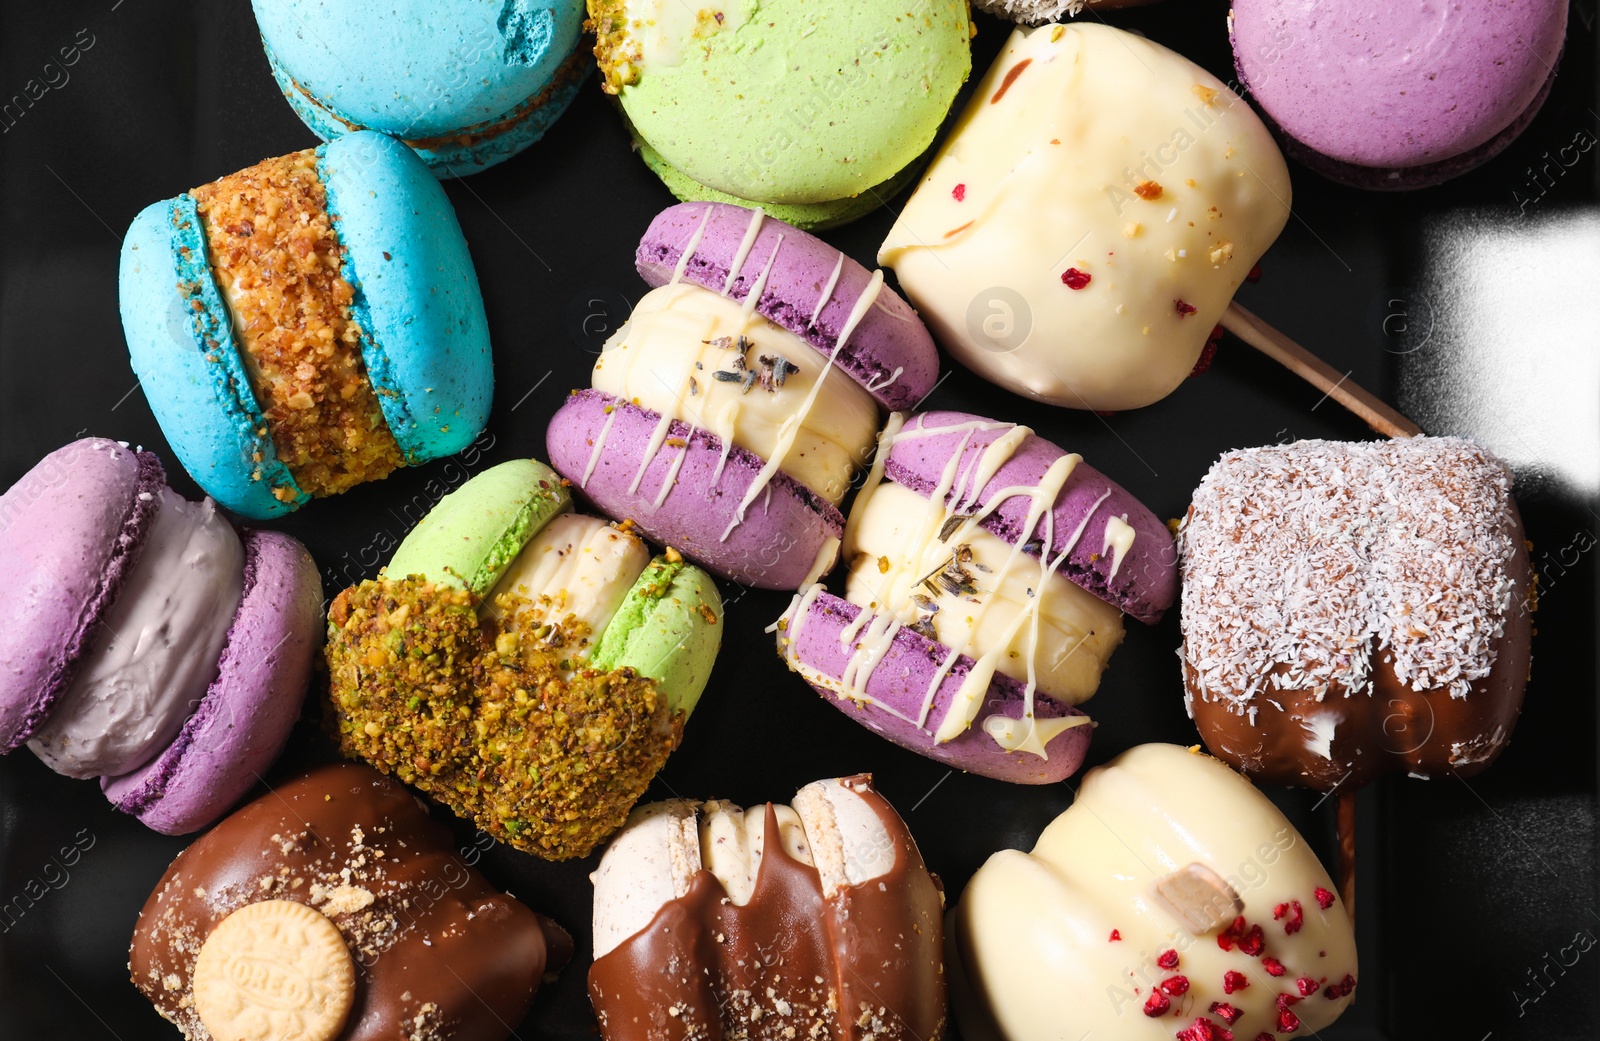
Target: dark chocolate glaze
x,y
439,952
1390,728
791,965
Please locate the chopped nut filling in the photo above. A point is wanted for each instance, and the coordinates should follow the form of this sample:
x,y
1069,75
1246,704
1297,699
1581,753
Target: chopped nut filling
x,y
278,262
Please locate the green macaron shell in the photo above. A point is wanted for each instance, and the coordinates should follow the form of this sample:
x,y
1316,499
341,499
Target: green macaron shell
x,y
669,628
786,102
811,216
476,531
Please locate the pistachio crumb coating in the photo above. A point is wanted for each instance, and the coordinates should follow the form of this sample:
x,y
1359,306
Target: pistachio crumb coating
x,y
616,49
279,264
489,719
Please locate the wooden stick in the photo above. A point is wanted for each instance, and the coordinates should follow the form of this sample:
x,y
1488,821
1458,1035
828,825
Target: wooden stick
x,y
1269,341
1346,826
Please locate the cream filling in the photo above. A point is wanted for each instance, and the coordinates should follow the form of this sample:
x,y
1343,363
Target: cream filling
x,y
157,651
732,841
576,569
667,356
894,569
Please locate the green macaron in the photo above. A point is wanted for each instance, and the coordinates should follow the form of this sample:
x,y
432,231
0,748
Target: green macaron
x,y
808,109
529,667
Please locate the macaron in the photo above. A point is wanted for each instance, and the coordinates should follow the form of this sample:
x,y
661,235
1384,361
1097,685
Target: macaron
x,y
465,85
988,574
1089,218
529,667
148,646
1396,96
333,908
819,917
809,109
1171,899
307,324
729,415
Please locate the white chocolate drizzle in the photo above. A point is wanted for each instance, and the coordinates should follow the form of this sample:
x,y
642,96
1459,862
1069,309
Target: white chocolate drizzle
x,y
871,634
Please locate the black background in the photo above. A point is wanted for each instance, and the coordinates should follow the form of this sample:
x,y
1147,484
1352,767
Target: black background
x,y
1467,889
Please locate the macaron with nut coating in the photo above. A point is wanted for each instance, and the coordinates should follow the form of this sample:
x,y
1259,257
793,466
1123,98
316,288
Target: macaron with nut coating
x,y
731,412
530,667
465,85
307,324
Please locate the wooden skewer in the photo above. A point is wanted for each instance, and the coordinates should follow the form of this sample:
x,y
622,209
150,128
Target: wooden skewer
x,y
1269,341
1346,827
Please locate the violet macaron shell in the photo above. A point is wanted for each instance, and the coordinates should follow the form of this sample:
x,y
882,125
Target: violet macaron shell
x,y
773,548
889,339
899,685
1400,90
245,718
1146,582
70,532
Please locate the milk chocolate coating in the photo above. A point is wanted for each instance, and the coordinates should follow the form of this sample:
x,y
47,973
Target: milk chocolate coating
x,y
790,965
439,952
1392,727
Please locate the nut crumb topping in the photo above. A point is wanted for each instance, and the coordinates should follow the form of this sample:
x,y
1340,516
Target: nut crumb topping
x,y
279,263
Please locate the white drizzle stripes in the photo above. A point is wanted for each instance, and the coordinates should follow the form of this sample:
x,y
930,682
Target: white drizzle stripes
x,y
870,635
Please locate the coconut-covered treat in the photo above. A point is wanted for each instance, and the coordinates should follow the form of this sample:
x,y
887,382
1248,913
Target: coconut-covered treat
x,y
814,111
729,415
816,921
1351,609
529,667
334,909
307,324
989,572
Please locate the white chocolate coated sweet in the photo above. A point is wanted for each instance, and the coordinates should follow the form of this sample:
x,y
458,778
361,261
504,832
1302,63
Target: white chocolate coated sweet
x,y
1035,930
656,855
892,563
1090,149
576,569
667,358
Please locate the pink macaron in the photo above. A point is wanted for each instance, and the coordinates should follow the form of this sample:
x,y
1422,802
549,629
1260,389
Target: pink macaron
x,y
148,643
988,574
1394,96
730,415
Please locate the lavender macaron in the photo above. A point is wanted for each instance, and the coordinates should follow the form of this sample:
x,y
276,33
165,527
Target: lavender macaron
x,y
730,414
1396,96
138,621
988,574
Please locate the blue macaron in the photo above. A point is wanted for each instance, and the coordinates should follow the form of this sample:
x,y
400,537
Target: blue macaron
x,y
466,84
403,295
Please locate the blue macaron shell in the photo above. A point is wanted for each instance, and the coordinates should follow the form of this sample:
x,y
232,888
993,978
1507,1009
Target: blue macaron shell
x,y
189,366
426,337
419,69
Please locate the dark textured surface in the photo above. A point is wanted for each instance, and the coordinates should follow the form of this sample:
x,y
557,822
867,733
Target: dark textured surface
x,y
1462,889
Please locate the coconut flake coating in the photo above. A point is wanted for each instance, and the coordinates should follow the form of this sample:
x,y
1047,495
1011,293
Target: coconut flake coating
x,y
1303,563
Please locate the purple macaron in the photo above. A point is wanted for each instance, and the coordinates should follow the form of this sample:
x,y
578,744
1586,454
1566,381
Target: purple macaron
x,y
720,504
1397,96
70,531
1045,510
97,652
245,718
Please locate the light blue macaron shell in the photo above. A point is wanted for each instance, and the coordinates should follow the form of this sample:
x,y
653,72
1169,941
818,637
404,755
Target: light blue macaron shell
x,y
189,366
426,342
422,68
